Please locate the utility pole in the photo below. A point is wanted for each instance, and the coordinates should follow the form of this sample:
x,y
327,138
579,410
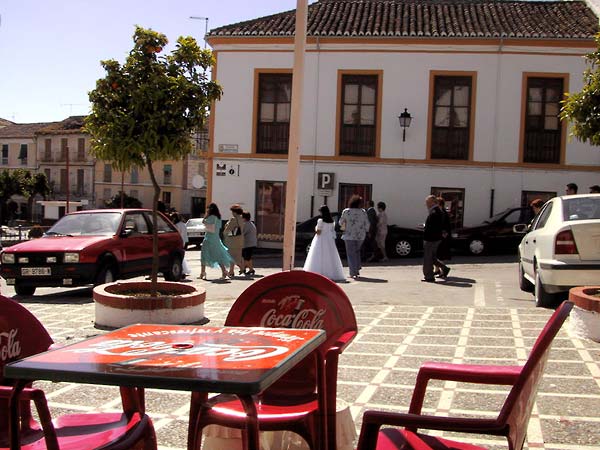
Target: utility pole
x,y
205,25
291,196
68,184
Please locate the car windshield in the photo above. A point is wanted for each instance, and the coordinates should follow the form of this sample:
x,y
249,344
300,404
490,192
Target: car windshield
x,y
496,217
93,224
581,208
194,223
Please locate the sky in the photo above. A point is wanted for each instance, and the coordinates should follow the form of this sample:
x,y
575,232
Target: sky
x,y
50,50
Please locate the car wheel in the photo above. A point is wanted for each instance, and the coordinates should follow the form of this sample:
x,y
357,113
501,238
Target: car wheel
x,y
175,270
524,283
476,246
21,289
403,248
542,298
106,274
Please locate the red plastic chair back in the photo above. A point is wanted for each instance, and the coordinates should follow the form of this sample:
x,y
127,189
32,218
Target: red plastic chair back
x,y
519,403
296,299
21,335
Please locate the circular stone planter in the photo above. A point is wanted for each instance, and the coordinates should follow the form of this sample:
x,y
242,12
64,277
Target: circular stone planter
x,y
584,321
115,308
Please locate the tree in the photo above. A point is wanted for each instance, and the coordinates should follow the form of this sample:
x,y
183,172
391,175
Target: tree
x,y
146,109
10,184
583,108
33,185
128,201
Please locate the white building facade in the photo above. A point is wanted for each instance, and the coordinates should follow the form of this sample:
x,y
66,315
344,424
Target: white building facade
x,y
484,102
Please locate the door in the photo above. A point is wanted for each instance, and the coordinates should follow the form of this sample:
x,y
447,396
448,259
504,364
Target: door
x,y
347,190
529,242
137,246
270,210
454,204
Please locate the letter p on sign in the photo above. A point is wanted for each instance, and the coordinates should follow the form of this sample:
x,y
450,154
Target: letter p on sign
x,y
325,181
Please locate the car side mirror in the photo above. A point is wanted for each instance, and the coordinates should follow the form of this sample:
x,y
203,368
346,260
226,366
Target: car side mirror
x,y
521,228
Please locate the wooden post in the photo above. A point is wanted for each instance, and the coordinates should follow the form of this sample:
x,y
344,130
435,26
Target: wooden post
x,y
291,195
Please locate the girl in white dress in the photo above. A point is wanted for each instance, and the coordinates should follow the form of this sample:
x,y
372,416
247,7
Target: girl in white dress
x,y
323,257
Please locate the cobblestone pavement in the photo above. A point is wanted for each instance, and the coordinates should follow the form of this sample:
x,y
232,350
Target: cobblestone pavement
x,y
378,370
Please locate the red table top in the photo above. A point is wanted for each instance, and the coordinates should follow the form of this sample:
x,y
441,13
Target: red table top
x,y
234,360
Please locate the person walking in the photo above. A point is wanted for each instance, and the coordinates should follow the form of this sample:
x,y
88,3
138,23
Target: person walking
x,y
432,235
233,239
180,225
370,245
355,224
571,189
382,230
323,257
250,243
213,253
443,251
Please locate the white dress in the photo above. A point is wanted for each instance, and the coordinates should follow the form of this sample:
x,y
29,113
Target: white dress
x,y
323,257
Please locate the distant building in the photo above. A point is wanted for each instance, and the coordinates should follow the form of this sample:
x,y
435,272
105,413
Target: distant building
x,y
18,151
481,79
63,155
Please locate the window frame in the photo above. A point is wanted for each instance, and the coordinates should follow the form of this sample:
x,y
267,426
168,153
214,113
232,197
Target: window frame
x,y
376,152
257,109
433,74
5,150
523,126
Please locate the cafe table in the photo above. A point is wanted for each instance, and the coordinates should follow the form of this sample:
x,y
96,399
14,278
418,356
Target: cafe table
x,y
242,361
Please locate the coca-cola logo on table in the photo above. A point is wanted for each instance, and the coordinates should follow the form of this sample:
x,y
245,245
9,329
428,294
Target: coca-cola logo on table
x,y
10,347
225,352
289,313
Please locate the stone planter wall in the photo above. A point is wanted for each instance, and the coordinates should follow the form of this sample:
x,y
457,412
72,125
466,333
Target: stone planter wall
x,y
584,321
113,309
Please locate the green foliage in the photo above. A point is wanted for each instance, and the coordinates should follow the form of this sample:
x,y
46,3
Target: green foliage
x,y
583,108
128,201
22,182
145,109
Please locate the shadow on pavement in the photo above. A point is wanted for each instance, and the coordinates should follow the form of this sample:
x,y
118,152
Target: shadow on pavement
x,y
457,282
371,280
71,296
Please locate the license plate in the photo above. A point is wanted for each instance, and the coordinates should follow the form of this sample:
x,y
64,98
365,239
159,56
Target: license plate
x,y
35,271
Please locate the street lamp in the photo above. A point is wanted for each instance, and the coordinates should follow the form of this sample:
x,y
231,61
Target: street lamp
x,y
405,119
205,25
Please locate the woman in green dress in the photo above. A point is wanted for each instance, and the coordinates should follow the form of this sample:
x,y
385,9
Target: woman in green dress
x,y
213,252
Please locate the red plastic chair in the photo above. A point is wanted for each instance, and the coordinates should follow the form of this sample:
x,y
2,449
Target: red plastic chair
x,y
304,400
22,335
512,419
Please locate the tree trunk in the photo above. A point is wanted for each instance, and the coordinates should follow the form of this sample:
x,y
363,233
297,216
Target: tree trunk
x,y
155,256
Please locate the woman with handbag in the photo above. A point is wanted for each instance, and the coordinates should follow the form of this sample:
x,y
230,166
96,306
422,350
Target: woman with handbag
x,y
213,252
234,241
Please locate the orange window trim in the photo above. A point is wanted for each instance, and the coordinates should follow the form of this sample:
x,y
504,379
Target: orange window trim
x,y
339,108
563,123
448,73
255,106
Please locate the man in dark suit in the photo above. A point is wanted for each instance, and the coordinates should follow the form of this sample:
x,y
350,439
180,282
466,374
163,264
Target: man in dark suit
x,y
370,246
432,236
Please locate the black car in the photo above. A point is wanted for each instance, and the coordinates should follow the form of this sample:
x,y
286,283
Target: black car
x,y
400,242
495,233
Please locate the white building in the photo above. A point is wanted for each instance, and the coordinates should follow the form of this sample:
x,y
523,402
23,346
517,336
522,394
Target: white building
x,y
482,81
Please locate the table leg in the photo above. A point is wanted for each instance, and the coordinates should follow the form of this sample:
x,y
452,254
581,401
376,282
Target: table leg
x,y
196,404
252,431
13,415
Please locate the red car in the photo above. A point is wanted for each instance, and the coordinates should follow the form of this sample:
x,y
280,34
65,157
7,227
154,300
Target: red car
x,y
93,247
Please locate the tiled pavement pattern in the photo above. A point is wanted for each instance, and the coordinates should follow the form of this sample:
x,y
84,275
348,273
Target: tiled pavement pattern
x,y
378,370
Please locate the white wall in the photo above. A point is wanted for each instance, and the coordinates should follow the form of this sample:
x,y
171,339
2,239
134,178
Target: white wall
x,y
405,85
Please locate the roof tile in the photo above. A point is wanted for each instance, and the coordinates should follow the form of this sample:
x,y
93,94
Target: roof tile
x,y
429,19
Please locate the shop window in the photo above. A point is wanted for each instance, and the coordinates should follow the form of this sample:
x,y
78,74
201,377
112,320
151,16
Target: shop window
x,y
347,190
270,210
454,204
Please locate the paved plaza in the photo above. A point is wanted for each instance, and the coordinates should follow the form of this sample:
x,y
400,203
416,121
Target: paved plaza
x,y
482,321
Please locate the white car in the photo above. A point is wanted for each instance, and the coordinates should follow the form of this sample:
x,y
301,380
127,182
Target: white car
x,y
195,231
561,249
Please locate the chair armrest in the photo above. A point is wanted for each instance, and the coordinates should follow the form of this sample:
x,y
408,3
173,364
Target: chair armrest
x,y
37,396
442,423
344,340
465,373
